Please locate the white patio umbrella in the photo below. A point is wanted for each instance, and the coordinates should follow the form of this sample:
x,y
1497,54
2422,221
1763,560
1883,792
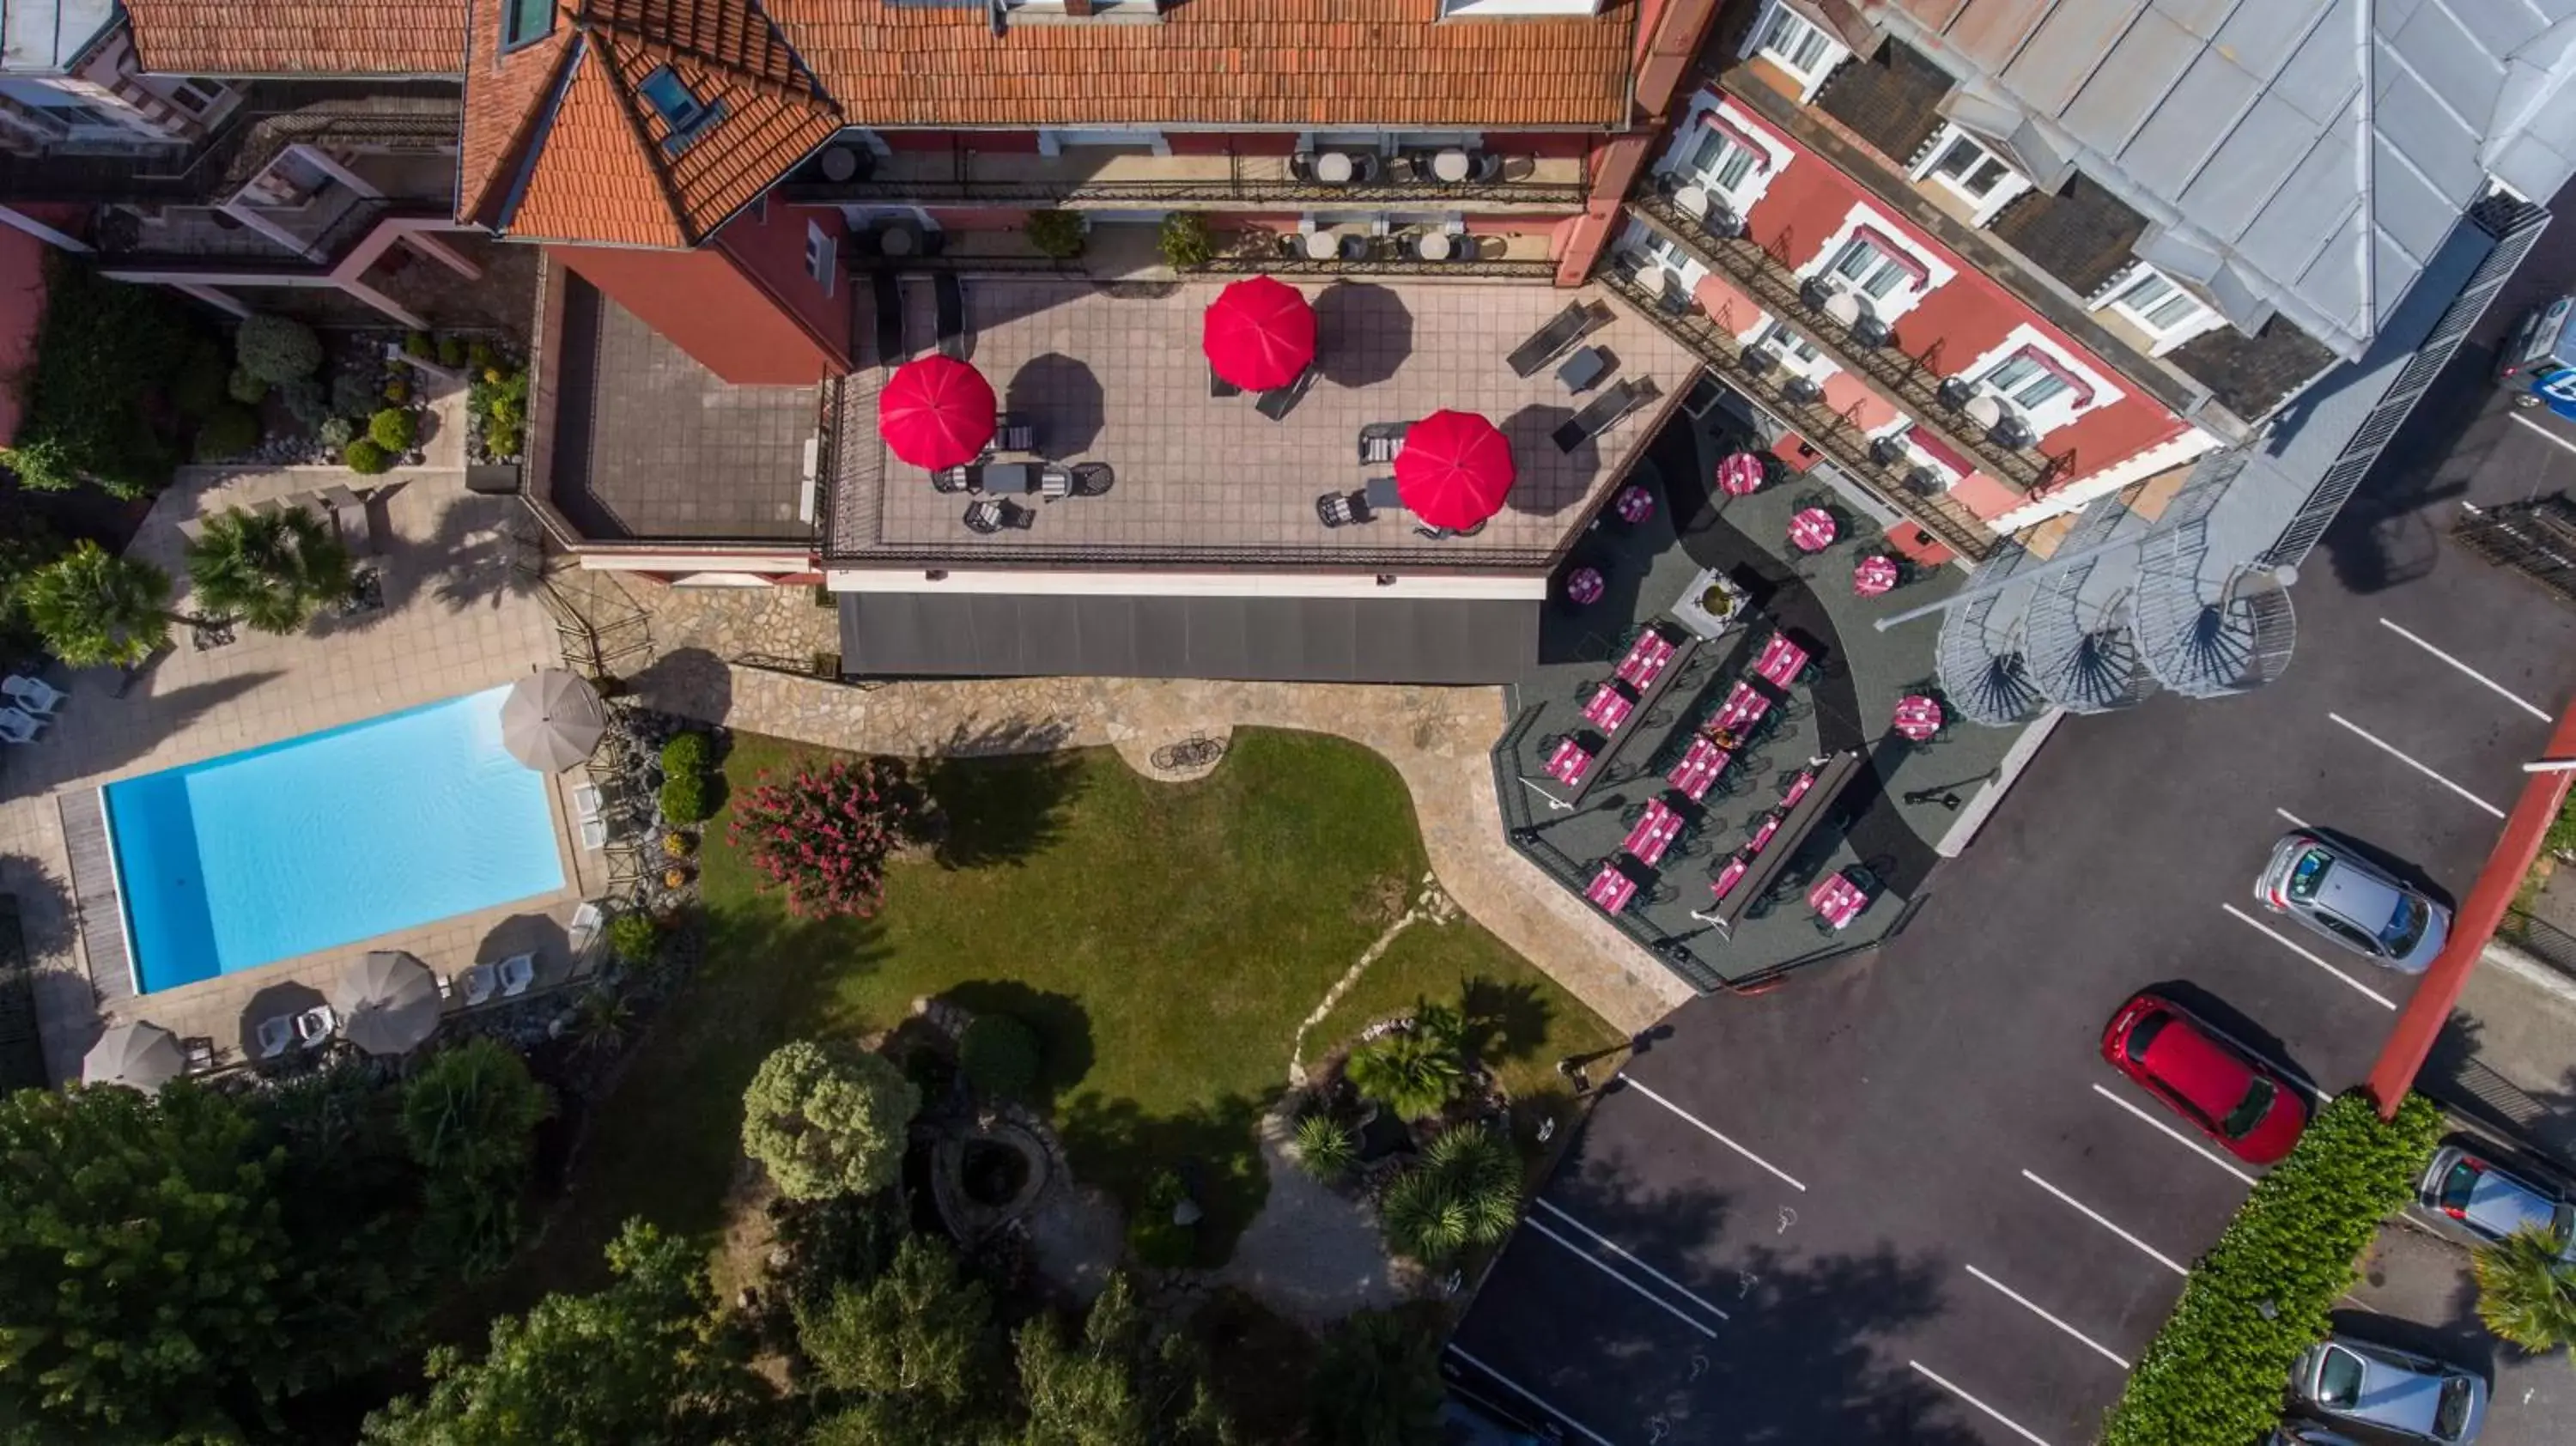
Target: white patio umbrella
x,y
388,1003
552,720
145,1056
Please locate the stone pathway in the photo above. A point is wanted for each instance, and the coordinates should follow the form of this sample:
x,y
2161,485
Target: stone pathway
x,y
1437,739
1432,907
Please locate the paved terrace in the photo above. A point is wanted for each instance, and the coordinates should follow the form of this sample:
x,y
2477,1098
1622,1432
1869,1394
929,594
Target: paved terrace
x,y
1113,374
454,622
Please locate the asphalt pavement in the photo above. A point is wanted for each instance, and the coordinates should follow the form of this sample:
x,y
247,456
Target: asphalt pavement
x,y
1903,1199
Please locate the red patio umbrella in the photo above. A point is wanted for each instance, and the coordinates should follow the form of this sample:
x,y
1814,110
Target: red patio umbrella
x,y
936,412
1259,333
1454,471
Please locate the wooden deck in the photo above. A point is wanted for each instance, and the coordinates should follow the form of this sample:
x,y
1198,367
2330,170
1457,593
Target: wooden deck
x,y
100,911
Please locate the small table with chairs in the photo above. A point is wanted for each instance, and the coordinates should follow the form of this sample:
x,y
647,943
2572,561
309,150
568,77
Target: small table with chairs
x,y
1647,658
1874,576
1812,530
1609,707
1655,831
1780,662
1452,166
1919,717
1745,706
1611,888
1702,761
1569,762
1839,899
1740,475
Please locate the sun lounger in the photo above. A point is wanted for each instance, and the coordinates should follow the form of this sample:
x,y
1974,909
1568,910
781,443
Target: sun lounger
x,y
17,725
475,982
349,511
517,973
1562,331
1278,402
584,930
889,294
199,1051
275,1035
949,294
1605,411
33,694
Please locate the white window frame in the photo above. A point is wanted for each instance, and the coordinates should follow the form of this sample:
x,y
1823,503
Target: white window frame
x,y
820,254
1769,160
1797,35
2164,336
1902,299
1777,337
1986,205
1904,429
1053,140
1652,244
2058,411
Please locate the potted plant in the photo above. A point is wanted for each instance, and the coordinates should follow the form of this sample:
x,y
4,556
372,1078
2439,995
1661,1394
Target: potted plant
x,y
1718,601
1056,234
1187,242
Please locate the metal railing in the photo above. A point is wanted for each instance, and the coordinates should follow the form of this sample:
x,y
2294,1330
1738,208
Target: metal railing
x,y
1247,179
210,170
2535,538
1269,261
1913,384
1827,430
2540,939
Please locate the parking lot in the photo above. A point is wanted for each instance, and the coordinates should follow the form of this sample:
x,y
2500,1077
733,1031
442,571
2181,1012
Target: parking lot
x,y
1904,1199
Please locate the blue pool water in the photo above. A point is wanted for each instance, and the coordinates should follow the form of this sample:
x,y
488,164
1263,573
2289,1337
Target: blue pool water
x,y
328,839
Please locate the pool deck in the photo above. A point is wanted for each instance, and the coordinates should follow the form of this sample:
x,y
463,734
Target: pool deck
x,y
456,620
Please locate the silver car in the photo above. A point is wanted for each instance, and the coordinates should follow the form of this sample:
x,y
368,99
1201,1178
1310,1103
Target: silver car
x,y
2400,1393
2352,903
2465,1192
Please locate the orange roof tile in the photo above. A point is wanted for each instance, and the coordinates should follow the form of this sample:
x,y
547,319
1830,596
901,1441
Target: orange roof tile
x,y
299,37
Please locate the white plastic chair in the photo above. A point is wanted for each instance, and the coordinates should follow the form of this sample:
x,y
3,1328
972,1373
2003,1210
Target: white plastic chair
x,y
477,980
594,834
586,800
517,973
317,1024
584,929
275,1035
33,694
17,725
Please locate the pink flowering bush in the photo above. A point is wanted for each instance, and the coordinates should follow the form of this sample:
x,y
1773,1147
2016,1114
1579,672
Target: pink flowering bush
x,y
824,835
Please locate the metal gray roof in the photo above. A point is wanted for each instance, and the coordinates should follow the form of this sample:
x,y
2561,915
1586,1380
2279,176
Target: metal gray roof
x,y
2285,164
1250,639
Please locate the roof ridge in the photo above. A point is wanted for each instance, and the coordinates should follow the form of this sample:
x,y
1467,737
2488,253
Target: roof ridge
x,y
592,16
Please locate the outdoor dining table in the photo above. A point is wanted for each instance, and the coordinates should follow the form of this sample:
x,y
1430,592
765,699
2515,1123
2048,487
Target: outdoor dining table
x,y
1701,763
1007,479
1611,888
1333,168
1781,661
1811,529
1740,475
1875,576
1635,504
1839,899
1433,245
1798,787
1919,717
1654,833
1744,706
1609,707
1646,659
1762,832
1569,762
1584,586
1728,877
1450,165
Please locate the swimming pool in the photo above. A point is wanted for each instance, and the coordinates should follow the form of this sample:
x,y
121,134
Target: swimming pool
x,y
327,839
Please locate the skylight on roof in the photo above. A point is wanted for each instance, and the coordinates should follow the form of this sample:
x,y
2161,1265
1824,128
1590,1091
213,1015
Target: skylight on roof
x,y
525,20
683,114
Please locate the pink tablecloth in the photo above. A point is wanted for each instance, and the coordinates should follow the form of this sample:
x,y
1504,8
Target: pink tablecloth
x,y
1875,576
1811,530
1646,659
1635,504
1701,763
1728,877
1654,833
1762,834
1744,707
1919,717
1839,900
1609,707
1780,662
1584,586
1798,787
1569,762
1740,475
1611,888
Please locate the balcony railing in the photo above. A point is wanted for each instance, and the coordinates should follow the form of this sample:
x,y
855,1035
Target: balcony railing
x,y
1823,428
1913,383
966,174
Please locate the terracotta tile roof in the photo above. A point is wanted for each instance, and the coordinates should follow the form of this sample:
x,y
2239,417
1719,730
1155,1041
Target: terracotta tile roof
x,y
504,97
299,37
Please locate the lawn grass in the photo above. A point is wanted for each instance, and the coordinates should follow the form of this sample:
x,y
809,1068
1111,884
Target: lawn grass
x,y
1164,940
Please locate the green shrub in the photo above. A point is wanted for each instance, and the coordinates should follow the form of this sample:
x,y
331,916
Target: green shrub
x,y
478,354
202,382
501,441
305,401
277,348
418,344
244,388
353,395
103,349
365,458
1464,1192
336,432
2214,1374
451,352
633,939
1187,243
1413,1072
392,429
1324,1149
1000,1056
229,432
397,391
1056,233
687,753
1159,1240
2561,837
684,799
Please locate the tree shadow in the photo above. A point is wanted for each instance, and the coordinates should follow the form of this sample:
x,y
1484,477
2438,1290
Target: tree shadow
x,y
482,552
1001,793
1363,333
1060,396
686,683
1504,1021
1062,1025
1258,1364
1116,1145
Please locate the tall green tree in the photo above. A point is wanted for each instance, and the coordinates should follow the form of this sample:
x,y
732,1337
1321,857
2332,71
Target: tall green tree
x,y
827,1118
1377,1383
2526,1293
917,1338
273,570
148,1291
642,1363
470,1117
1120,1384
95,608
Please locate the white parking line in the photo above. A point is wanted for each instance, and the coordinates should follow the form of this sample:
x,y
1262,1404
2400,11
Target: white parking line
x,y
1587,1257
2017,1298
2366,736
2291,818
2158,1256
2286,942
2544,431
2007,1422
2187,1142
1526,1394
1705,1129
2499,689
1613,1245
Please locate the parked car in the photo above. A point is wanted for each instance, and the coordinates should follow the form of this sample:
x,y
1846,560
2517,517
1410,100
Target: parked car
x,y
2463,1190
2399,1393
2541,342
2345,898
2247,1106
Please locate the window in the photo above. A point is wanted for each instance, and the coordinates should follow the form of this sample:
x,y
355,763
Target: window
x,y
1797,355
1867,268
523,21
197,96
683,114
2309,874
2160,308
1970,169
2250,1110
818,255
1799,47
1720,161
2026,381
2339,1378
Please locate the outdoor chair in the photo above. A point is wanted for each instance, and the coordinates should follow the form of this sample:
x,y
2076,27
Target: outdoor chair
x,y
995,514
1054,482
1604,412
587,800
954,480
199,1052
1010,434
1337,509
1220,388
948,294
275,1035
1278,402
17,725
33,694
348,512
1093,479
585,927
1380,441
316,1025
476,981
1561,331
517,972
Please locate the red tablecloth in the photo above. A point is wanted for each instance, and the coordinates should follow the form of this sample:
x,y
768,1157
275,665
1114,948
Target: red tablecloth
x,y
1740,475
1701,763
1727,877
1875,576
1839,900
1919,717
1611,888
1798,787
1609,707
1762,834
1646,659
1654,833
1569,762
1811,530
1780,662
1584,586
1744,707
1635,504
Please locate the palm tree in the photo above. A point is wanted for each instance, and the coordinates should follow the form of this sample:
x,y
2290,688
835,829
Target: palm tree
x,y
2526,1293
1413,1073
98,609
1465,1191
273,570
1377,1383
1324,1149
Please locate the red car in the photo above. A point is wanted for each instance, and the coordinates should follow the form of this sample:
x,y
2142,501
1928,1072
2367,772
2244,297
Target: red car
x,y
2234,1098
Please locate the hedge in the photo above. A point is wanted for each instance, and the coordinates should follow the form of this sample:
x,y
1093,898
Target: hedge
x,y
685,761
103,349
2215,1374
